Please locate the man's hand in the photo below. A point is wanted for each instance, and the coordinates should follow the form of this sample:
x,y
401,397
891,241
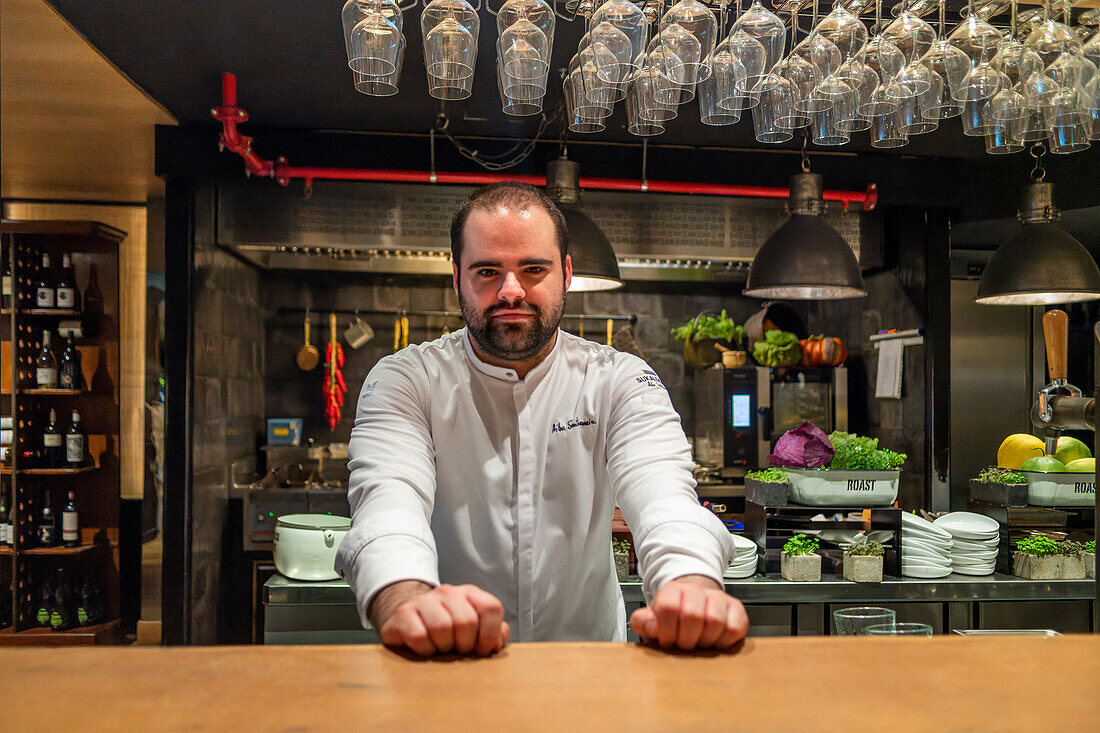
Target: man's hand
x,y
449,618
692,612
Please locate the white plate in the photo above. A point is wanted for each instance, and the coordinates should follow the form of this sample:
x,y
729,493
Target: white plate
x,y
967,570
964,544
913,523
918,554
923,545
921,571
968,522
740,574
990,552
973,563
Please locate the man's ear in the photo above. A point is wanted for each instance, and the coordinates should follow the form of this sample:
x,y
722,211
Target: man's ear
x,y
454,276
568,272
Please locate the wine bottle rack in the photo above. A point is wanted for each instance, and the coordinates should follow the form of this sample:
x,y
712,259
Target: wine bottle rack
x,y
24,565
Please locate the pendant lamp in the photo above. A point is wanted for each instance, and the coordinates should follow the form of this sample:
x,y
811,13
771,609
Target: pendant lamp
x,y
1043,264
805,259
595,266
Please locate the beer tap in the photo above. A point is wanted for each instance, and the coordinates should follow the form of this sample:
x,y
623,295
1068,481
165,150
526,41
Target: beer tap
x,y
1059,405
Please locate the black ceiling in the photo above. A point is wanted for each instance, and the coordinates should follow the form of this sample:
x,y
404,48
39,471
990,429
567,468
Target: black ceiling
x,y
290,63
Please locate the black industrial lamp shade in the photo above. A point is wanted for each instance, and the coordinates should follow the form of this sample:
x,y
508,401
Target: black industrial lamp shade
x,y
805,259
1043,264
595,266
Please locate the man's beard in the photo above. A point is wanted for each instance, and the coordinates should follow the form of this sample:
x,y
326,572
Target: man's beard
x,y
515,340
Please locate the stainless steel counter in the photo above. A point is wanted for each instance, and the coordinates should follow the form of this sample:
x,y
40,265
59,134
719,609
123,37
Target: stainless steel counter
x,y
772,589
301,612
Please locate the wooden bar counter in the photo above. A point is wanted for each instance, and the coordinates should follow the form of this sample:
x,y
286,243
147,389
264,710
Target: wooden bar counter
x,y
816,683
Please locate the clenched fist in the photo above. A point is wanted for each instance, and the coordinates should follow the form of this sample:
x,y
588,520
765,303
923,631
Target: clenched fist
x,y
449,618
692,612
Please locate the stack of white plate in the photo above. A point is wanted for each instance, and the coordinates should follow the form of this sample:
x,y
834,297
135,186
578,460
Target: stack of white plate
x,y
744,565
925,548
975,539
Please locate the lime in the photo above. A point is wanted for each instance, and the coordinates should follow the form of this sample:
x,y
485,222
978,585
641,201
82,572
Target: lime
x,y
1082,465
1048,464
1018,448
1070,449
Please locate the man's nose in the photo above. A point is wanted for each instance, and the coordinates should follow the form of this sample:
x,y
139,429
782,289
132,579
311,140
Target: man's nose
x,y
510,289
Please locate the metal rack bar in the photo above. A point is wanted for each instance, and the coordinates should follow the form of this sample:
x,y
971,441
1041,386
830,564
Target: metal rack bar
x,y
322,314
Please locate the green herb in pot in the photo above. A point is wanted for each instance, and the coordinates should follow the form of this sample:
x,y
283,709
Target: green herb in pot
x,y
870,547
800,544
778,349
769,476
721,328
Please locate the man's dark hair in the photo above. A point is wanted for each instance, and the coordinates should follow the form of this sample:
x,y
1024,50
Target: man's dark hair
x,y
514,195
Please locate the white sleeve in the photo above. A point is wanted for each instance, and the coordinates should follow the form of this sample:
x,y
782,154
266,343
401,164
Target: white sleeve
x,y
649,463
392,485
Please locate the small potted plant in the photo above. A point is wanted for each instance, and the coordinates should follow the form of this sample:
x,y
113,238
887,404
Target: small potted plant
x,y
621,551
767,487
1041,558
999,486
703,335
799,560
863,562
1090,559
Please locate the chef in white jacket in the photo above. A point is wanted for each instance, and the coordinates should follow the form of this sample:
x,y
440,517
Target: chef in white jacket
x,y
486,466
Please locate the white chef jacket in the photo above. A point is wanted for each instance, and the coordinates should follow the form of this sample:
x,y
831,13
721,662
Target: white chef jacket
x,y
461,472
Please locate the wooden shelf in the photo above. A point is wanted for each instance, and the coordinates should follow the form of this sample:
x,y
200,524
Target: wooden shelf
x,y
50,312
50,392
6,550
5,311
61,551
107,632
48,471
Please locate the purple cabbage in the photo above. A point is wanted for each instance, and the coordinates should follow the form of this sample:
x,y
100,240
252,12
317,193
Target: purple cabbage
x,y
807,446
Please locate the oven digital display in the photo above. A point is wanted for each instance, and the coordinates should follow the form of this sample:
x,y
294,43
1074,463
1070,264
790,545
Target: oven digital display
x,y
740,412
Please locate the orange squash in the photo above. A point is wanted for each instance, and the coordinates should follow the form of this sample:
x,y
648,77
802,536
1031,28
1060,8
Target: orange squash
x,y
822,351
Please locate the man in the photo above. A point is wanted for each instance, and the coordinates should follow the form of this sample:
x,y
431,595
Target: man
x,y
492,460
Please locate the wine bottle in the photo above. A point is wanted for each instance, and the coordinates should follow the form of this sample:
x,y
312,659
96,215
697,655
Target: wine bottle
x,y
65,290
90,607
45,603
6,529
52,451
62,612
68,374
70,523
45,366
75,443
45,292
48,536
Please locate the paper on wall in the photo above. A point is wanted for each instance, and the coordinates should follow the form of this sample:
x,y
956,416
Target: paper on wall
x,y
888,381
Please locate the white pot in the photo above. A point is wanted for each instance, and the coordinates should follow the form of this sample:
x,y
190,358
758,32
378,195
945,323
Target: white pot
x,y
305,545
830,487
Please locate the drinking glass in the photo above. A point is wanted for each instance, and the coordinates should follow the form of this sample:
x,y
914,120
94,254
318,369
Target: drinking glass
x,y
374,45
912,36
1050,39
915,113
581,117
537,12
803,75
450,51
616,60
710,91
949,62
450,89
588,60
844,30
357,10
1070,124
981,82
384,85
896,629
974,120
519,89
590,106
752,55
821,52
886,131
628,19
653,101
697,19
776,101
726,72
639,102
523,50
977,39
1035,124
530,103
681,51
1003,137
826,126
854,621
769,31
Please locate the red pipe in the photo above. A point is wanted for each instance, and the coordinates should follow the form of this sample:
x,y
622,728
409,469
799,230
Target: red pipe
x,y
230,115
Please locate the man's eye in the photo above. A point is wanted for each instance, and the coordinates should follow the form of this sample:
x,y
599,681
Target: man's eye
x,y
486,273
536,270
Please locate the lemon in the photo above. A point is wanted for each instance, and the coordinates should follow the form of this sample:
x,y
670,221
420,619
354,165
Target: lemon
x,y
1070,449
1082,465
1047,464
1017,448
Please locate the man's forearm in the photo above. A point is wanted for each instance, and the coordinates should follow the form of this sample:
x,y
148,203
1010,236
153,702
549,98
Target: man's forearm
x,y
386,601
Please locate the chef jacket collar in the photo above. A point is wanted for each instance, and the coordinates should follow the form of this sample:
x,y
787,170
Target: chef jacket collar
x,y
508,374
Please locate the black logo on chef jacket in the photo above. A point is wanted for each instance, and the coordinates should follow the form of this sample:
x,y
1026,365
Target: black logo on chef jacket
x,y
576,422
649,377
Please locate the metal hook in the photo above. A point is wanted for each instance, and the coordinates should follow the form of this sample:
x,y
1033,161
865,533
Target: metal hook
x,y
805,157
1038,173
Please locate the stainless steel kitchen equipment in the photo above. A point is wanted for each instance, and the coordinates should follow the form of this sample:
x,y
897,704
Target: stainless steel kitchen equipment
x,y
740,413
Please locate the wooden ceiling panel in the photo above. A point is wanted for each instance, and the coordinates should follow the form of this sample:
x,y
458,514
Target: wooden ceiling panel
x,y
71,125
